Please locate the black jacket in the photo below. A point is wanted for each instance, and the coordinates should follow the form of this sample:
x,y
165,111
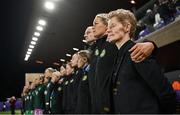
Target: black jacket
x,y
47,93
56,98
99,75
83,105
140,87
66,95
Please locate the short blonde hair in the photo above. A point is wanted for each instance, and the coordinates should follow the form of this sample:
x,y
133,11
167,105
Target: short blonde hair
x,y
103,17
51,70
85,54
122,16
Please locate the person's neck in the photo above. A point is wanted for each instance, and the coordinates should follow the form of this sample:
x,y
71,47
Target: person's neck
x,y
91,43
102,36
84,65
120,43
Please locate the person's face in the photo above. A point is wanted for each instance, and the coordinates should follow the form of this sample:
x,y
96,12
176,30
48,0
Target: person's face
x,y
69,69
46,80
89,35
41,79
32,85
62,70
99,28
55,78
47,73
36,81
115,30
74,60
81,61
25,89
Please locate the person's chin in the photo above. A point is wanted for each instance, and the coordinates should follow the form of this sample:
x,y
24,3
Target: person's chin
x,y
97,35
110,40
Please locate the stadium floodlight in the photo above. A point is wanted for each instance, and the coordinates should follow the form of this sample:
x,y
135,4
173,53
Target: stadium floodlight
x,y
63,60
28,53
35,39
31,46
75,49
49,5
39,28
37,34
29,50
68,55
33,42
42,22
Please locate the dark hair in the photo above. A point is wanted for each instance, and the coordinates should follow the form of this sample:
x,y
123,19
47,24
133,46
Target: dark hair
x,y
41,77
51,69
63,65
30,82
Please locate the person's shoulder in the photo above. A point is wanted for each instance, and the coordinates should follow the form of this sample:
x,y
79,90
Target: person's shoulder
x,y
110,47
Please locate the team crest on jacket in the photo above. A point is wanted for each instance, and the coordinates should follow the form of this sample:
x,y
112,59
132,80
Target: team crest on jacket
x,y
48,85
39,89
51,97
59,89
97,52
103,53
36,92
84,77
45,92
77,72
61,80
71,80
66,82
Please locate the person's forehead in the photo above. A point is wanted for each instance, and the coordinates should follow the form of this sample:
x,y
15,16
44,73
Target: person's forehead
x,y
97,19
46,70
74,55
67,66
89,28
113,20
62,67
88,31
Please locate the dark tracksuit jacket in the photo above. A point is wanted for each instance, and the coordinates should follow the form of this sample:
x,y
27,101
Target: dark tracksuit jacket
x,y
30,101
140,87
74,89
83,98
56,98
39,97
66,95
47,93
99,75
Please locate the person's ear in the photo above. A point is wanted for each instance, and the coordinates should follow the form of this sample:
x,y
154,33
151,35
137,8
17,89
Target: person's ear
x,y
127,27
84,60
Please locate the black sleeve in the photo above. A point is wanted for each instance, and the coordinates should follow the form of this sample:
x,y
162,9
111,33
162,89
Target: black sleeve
x,y
49,90
151,72
51,86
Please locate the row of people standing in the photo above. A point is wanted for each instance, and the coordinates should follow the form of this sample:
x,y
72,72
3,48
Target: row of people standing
x,y
60,92
119,76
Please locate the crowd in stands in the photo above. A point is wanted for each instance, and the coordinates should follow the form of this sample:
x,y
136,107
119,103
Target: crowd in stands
x,y
161,14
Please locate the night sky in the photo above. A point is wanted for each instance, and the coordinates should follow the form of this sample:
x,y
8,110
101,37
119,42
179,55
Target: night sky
x,y
16,14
